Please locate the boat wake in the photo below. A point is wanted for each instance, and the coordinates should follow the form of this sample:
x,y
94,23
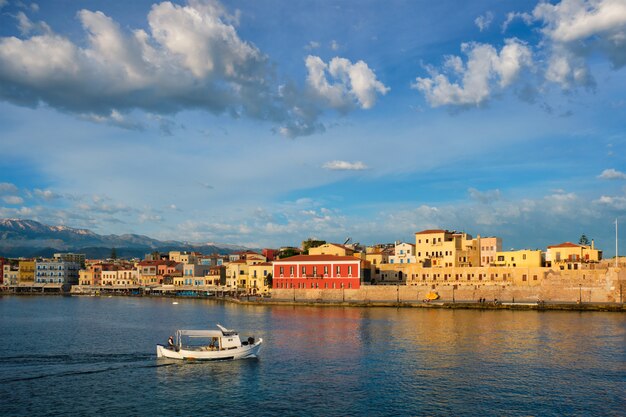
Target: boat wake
x,y
37,363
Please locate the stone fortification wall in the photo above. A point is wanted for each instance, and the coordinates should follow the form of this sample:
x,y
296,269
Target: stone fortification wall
x,y
588,285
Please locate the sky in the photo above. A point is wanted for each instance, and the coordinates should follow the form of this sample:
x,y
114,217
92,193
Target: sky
x,y
266,123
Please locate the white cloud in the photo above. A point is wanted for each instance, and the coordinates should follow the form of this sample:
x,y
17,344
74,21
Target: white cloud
x,y
485,197
574,29
485,68
3,3
344,166
7,188
46,194
483,22
612,174
334,45
191,57
312,45
115,118
353,83
615,203
13,199
512,16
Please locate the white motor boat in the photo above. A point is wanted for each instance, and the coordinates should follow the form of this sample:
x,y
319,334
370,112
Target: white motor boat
x,y
222,344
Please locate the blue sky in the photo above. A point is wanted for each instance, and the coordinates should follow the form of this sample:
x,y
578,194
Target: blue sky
x,y
264,123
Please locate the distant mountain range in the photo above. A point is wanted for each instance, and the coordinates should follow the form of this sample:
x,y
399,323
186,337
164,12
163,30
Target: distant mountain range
x,y
30,238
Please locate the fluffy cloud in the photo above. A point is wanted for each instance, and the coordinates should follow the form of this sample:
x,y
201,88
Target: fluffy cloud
x,y
573,30
7,188
612,174
615,203
13,199
483,22
486,69
46,194
344,166
354,84
191,57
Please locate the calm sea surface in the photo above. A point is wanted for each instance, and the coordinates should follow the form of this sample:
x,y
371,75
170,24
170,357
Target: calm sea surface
x,y
89,355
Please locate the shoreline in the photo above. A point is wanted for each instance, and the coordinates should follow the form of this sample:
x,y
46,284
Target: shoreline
x,y
446,305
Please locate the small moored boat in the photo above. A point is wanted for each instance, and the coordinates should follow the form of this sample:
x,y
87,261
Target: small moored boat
x,y
222,344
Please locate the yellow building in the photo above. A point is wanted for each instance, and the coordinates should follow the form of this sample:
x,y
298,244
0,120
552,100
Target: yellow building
x,y
519,258
257,278
331,249
183,257
26,271
377,256
571,253
237,274
443,248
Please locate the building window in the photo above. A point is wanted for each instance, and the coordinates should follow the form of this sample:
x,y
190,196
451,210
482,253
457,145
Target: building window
x,y
524,277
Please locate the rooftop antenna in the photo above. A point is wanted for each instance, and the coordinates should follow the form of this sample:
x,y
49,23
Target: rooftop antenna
x,y
347,240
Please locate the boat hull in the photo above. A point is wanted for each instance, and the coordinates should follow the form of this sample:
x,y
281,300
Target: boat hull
x,y
243,352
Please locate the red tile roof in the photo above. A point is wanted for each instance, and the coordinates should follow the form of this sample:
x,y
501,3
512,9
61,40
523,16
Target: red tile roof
x,y
429,231
566,245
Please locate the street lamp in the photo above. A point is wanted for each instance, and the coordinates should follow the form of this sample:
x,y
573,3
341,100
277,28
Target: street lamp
x,y
580,293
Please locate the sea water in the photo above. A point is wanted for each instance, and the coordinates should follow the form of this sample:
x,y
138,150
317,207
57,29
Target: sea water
x,y
96,356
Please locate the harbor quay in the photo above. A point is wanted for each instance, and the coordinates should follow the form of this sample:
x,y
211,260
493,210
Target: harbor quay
x,y
442,268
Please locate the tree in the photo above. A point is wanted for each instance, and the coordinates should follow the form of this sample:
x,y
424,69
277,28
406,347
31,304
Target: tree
x,y
269,280
113,254
287,252
584,240
311,243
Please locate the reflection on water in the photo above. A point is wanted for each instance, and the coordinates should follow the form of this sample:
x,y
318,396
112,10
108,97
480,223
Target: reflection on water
x,y
97,356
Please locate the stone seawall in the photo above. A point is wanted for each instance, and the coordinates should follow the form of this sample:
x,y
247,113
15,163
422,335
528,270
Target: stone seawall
x,y
597,286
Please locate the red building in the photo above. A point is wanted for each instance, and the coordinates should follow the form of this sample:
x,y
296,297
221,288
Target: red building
x,y
270,254
1,270
317,271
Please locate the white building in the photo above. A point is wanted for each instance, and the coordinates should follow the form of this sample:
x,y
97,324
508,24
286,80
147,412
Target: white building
x,y
404,254
57,272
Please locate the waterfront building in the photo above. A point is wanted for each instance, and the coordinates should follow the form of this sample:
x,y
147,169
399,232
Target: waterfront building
x,y
216,276
404,253
525,258
26,271
152,272
56,272
237,274
92,273
11,273
570,255
195,274
2,261
317,271
258,277
488,248
331,249
443,248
